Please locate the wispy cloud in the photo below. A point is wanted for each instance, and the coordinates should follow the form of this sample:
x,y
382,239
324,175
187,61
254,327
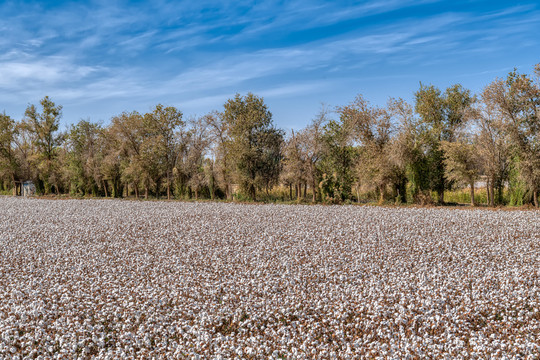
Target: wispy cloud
x,y
196,54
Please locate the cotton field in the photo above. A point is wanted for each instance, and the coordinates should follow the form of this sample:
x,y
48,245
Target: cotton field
x,y
124,279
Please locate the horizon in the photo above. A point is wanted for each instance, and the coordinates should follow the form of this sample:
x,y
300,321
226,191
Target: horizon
x,y
98,60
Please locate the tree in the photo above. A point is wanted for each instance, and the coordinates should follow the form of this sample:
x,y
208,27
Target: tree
x,y
462,163
196,146
311,144
45,136
219,137
123,156
84,157
337,161
163,125
254,142
517,100
441,115
371,130
8,159
493,143
293,170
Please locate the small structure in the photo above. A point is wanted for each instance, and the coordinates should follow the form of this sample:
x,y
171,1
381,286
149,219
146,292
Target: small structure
x,y
28,188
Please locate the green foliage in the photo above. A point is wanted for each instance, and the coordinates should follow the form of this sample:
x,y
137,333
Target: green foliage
x,y
255,144
45,137
463,196
84,157
517,188
337,162
442,115
8,160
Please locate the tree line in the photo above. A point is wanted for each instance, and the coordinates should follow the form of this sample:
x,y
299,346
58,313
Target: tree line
x,y
399,152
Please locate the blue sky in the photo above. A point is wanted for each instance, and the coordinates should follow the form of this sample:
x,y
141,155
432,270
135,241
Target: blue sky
x,y
100,58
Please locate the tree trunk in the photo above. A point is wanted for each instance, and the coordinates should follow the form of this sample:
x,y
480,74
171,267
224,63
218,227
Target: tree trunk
x,y
168,186
305,190
535,198
146,191
381,195
136,190
290,192
314,190
488,191
158,186
14,184
500,186
441,197
472,193
253,192
105,188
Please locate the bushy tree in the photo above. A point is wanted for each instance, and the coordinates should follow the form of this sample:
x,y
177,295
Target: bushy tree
x,y
43,128
161,143
337,162
255,144
8,159
441,115
462,163
371,128
84,157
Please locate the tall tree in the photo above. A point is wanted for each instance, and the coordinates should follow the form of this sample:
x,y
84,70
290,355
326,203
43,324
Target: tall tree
x,y
337,162
46,138
518,99
84,157
371,129
441,115
8,159
293,171
311,143
124,140
196,147
493,142
163,125
219,136
255,143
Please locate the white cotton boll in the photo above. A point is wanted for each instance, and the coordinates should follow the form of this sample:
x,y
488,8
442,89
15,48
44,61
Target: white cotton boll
x,y
150,279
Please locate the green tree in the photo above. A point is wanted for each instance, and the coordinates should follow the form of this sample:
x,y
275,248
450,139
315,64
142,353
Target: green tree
x,y
337,161
255,144
8,160
123,141
161,141
84,157
518,99
441,115
46,139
